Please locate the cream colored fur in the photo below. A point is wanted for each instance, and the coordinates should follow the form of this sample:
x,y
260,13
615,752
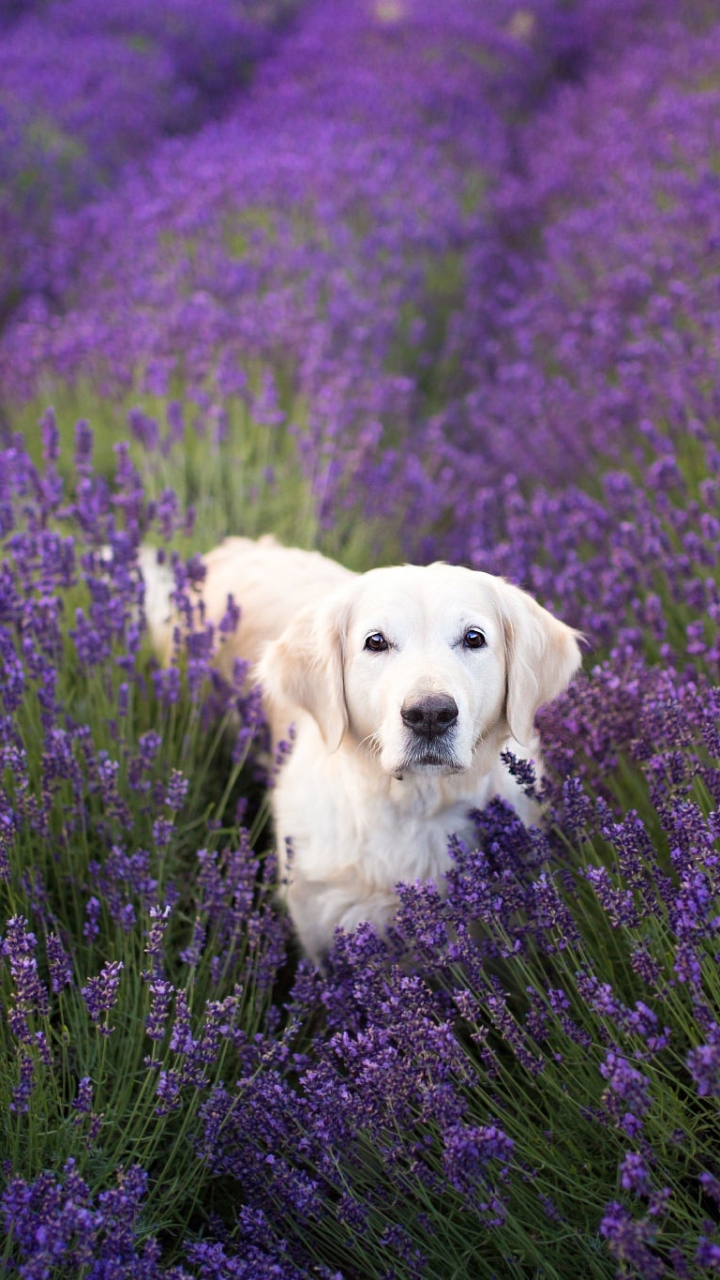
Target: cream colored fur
x,y
365,800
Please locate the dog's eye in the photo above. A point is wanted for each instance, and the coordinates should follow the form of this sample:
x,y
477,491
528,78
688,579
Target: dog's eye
x,y
376,643
474,639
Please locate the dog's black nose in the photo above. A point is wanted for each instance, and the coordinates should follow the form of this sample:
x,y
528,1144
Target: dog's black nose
x,y
430,716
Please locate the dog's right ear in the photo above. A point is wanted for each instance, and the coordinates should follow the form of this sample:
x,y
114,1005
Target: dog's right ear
x,y
304,668
542,657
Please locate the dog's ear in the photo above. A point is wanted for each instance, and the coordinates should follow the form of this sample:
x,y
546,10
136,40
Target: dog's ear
x,y
542,657
304,668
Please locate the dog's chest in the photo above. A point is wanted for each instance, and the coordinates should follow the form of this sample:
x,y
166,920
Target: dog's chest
x,y
342,823
409,844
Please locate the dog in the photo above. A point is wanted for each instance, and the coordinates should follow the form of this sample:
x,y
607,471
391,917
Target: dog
x,y
405,686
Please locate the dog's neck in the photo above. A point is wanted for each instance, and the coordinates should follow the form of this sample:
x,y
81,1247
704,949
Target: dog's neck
x,y
426,796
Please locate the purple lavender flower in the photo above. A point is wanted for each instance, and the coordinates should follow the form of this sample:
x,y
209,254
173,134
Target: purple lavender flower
x,y
162,830
100,994
177,790
708,1254
161,992
630,1241
703,1064
144,428
634,1174
30,997
468,1151
91,928
59,963
626,1096
710,1185
24,1088
84,1099
83,447
190,955
54,1221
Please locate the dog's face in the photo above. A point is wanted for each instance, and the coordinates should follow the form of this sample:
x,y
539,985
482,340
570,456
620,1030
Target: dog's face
x,y
426,669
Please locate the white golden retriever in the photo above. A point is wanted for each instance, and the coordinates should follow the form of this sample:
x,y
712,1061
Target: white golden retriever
x,y
404,685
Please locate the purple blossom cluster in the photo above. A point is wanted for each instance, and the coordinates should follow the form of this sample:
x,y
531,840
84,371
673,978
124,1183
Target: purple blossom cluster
x,y
475,253
56,1222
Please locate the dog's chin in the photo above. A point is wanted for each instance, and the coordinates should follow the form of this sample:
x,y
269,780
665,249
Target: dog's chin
x,y
423,764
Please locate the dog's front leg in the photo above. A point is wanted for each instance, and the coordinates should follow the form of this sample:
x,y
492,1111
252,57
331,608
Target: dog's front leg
x,y
318,908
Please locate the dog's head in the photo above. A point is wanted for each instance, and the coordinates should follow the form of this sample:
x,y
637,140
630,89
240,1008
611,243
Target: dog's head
x,y
426,668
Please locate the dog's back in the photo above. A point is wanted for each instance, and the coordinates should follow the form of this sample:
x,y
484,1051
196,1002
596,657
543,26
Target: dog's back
x,y
269,582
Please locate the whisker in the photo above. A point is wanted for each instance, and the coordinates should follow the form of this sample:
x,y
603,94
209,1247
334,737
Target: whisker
x,y
372,739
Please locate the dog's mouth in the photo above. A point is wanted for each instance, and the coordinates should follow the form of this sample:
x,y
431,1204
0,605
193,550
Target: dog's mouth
x,y
428,759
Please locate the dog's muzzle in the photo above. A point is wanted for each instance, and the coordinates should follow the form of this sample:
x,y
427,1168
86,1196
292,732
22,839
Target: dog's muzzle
x,y
429,720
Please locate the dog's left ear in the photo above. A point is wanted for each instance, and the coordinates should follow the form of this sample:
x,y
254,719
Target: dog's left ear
x,y
542,657
304,668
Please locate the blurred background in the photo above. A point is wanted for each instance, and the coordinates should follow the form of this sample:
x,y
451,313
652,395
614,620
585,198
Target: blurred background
x,y
388,259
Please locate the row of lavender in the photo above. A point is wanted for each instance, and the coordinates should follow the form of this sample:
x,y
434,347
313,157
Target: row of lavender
x,y
85,88
469,304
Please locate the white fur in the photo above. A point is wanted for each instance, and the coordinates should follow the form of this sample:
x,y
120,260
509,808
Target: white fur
x,y
364,800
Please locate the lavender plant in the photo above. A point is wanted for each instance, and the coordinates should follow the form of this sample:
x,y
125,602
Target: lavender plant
x,y
123,995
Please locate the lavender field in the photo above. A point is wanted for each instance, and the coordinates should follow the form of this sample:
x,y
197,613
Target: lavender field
x,y
403,281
